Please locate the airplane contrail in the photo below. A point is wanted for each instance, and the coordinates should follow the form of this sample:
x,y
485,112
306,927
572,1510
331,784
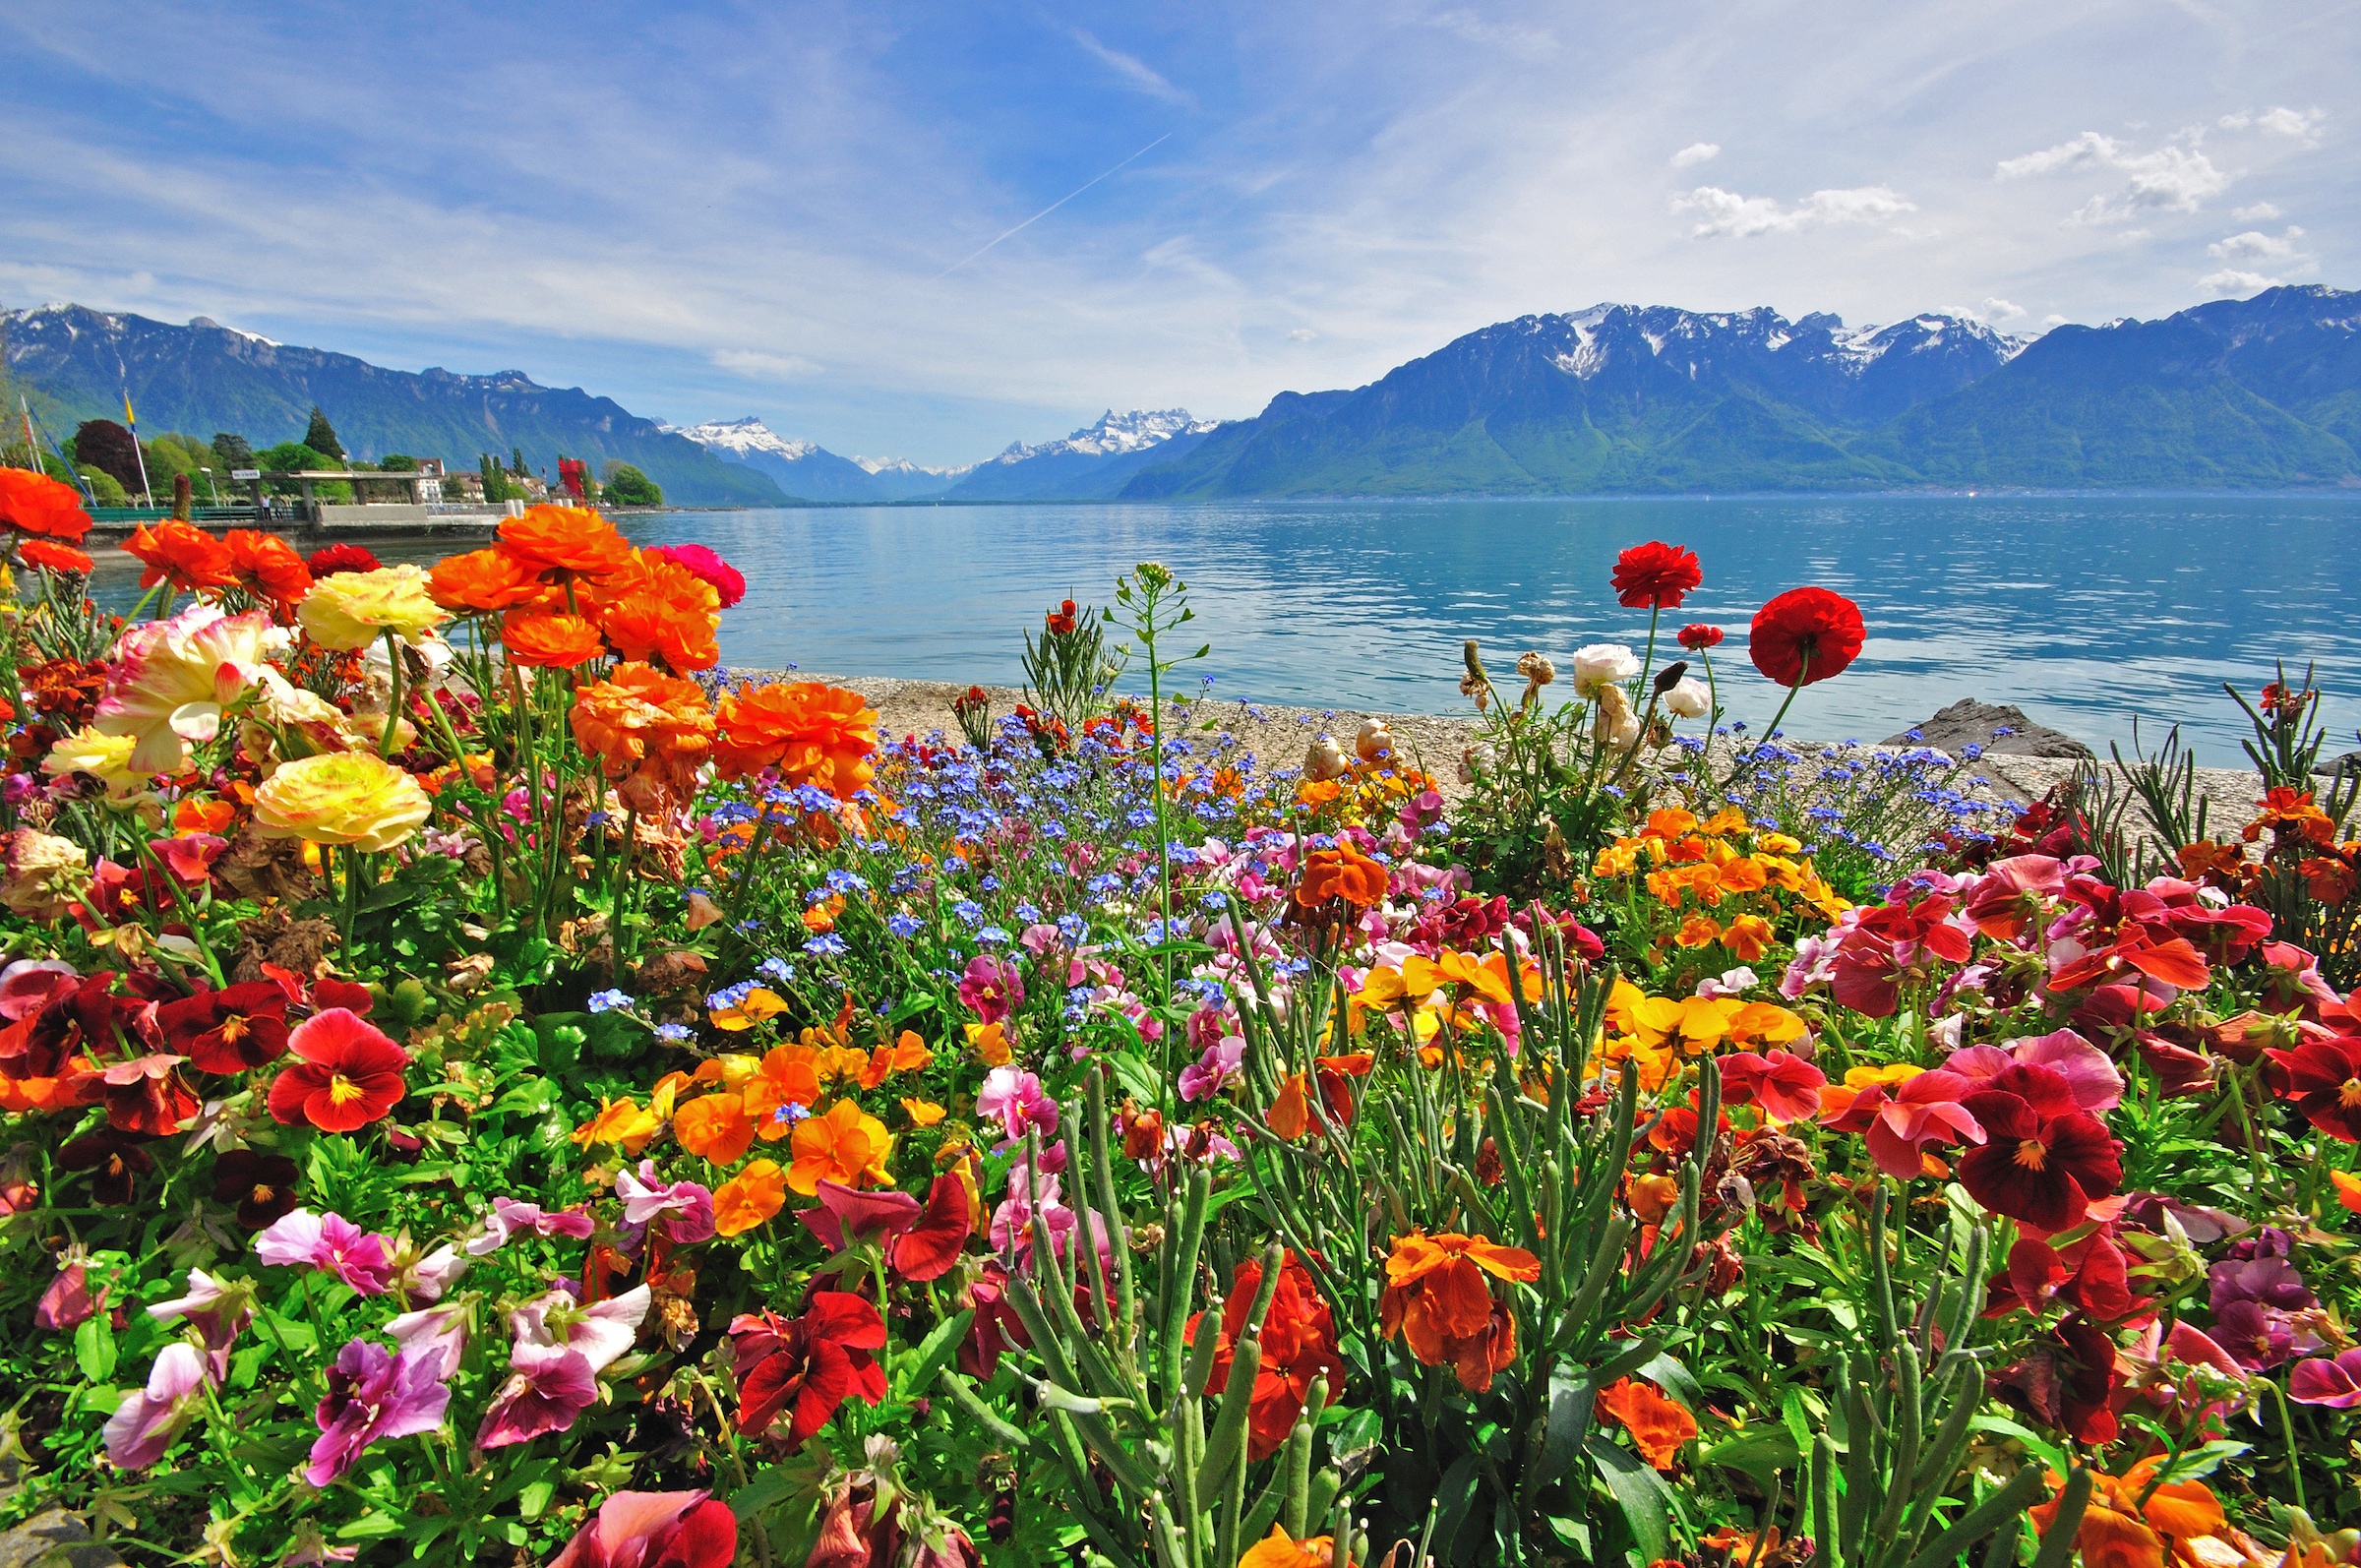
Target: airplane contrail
x,y
1052,208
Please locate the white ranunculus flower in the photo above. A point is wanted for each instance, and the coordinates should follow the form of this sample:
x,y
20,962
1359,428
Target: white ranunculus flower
x,y
1602,664
1689,697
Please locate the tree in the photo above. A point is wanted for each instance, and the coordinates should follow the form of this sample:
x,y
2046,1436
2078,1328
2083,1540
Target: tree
x,y
398,462
103,487
231,450
627,486
108,447
321,437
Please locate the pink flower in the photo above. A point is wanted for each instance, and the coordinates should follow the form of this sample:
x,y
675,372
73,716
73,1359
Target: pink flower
x,y
2010,897
2334,1383
217,1311
702,564
920,1243
992,988
1926,1109
147,1423
68,1302
438,1334
2096,1083
330,1241
510,1219
171,680
1782,1085
690,1203
1018,1103
374,1393
1222,1061
554,1365
654,1529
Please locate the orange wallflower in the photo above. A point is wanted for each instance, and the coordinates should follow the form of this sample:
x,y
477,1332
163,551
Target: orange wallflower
x,y
543,640
1657,1426
182,554
847,1145
51,556
565,542
267,568
1436,1297
813,734
749,1198
649,731
715,1127
485,582
2118,1531
1341,872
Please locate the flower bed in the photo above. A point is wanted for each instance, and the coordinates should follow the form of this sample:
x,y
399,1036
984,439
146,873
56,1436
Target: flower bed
x,y
475,1086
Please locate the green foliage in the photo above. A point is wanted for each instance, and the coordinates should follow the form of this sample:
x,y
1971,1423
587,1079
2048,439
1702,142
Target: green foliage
x,y
321,436
232,451
627,486
1070,670
104,486
396,462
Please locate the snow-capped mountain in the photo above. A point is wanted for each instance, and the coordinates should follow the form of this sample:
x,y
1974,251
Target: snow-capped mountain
x,y
1094,463
805,469
1113,436
740,439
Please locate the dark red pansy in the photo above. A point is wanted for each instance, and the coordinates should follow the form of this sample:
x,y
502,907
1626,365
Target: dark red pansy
x,y
261,1186
2042,1170
229,1031
114,1159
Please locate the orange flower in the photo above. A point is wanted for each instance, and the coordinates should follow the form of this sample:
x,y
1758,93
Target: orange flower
x,y
2348,1189
565,542
50,556
193,815
1279,1549
542,640
182,554
814,734
32,503
1656,1423
715,1127
1341,872
1698,930
267,568
654,608
1290,1114
788,1076
649,731
749,1198
923,1113
483,581
621,1122
2118,1531
1436,1297
758,1005
846,1145
906,1054
1747,937
990,1044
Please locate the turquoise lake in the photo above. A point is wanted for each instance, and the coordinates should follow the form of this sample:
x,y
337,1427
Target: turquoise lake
x,y
2085,611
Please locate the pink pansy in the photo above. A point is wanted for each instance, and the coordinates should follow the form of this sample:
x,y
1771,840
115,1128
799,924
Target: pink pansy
x,y
1017,1102
2011,895
843,1211
373,1393
656,1529
424,1276
992,988
1926,1109
2333,1383
554,1365
143,1425
190,856
68,1302
2096,1085
1222,1061
688,1203
510,1219
1781,1084
435,1333
360,1258
217,1311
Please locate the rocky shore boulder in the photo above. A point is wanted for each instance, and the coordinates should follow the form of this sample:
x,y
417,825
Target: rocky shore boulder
x,y
1996,727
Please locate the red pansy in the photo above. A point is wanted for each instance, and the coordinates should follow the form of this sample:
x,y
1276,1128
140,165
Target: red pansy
x,y
351,1074
814,1363
229,1031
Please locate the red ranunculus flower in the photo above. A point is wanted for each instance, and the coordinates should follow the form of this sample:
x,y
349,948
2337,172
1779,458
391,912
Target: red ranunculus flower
x,y
329,560
349,1076
231,1030
2322,1079
726,580
1805,634
1656,576
2042,1161
1697,637
814,1363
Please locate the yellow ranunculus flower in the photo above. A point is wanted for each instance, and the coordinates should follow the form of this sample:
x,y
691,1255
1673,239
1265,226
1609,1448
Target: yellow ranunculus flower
x,y
352,608
341,798
106,757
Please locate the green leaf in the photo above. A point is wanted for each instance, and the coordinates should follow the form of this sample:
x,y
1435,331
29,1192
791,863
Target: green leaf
x,y
1760,1451
1570,1397
1640,1494
1456,1494
1666,1372
933,1351
95,1347
375,1527
2050,1454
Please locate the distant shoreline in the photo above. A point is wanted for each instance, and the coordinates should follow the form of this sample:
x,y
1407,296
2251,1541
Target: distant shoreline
x,y
2336,492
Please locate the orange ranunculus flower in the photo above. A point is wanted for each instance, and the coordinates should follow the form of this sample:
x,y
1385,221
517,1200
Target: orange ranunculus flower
x,y
267,568
1656,1423
36,504
749,1198
813,734
649,731
2118,1531
182,554
655,608
565,542
788,1076
51,556
1437,1297
484,581
715,1127
540,639
847,1146
1341,872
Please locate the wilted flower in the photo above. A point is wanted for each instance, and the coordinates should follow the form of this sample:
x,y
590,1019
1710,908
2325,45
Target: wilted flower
x,y
1373,741
1325,760
42,875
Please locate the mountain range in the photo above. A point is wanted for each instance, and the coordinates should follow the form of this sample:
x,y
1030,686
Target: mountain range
x,y
2263,392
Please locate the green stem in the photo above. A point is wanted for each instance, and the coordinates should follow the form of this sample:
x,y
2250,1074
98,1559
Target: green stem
x,y
385,745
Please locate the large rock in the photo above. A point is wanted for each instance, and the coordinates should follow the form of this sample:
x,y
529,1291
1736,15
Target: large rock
x,y
1968,722
2335,766
54,1540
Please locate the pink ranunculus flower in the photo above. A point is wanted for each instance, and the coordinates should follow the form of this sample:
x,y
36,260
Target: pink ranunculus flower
x,y
1925,1110
1018,1103
147,1423
510,1219
360,1258
1781,1084
374,1393
171,680
688,1204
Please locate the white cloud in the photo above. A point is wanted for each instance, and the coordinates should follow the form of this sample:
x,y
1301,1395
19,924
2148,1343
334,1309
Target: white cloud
x,y
1999,310
2053,319
2255,246
760,366
2303,125
1694,154
1132,70
2087,148
2259,213
1725,212
2173,177
1302,335
1530,44
2233,283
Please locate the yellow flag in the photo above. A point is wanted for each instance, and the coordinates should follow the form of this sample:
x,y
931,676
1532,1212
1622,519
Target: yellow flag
x,y
127,416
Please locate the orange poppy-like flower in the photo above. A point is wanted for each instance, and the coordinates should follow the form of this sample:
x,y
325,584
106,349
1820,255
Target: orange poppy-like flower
x,y
181,554
1656,1423
267,568
649,731
488,581
32,503
788,1076
715,1127
1279,1549
565,542
813,734
655,608
541,640
847,1146
51,556
1341,872
2119,1531
1291,1113
749,1198
1437,1298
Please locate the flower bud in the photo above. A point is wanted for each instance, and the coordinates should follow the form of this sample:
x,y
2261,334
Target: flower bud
x,y
1325,760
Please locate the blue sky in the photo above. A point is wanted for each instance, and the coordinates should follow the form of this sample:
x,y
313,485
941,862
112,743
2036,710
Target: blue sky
x,y
846,217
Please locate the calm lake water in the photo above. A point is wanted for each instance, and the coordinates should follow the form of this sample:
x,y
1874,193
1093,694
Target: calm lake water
x,y
2085,611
